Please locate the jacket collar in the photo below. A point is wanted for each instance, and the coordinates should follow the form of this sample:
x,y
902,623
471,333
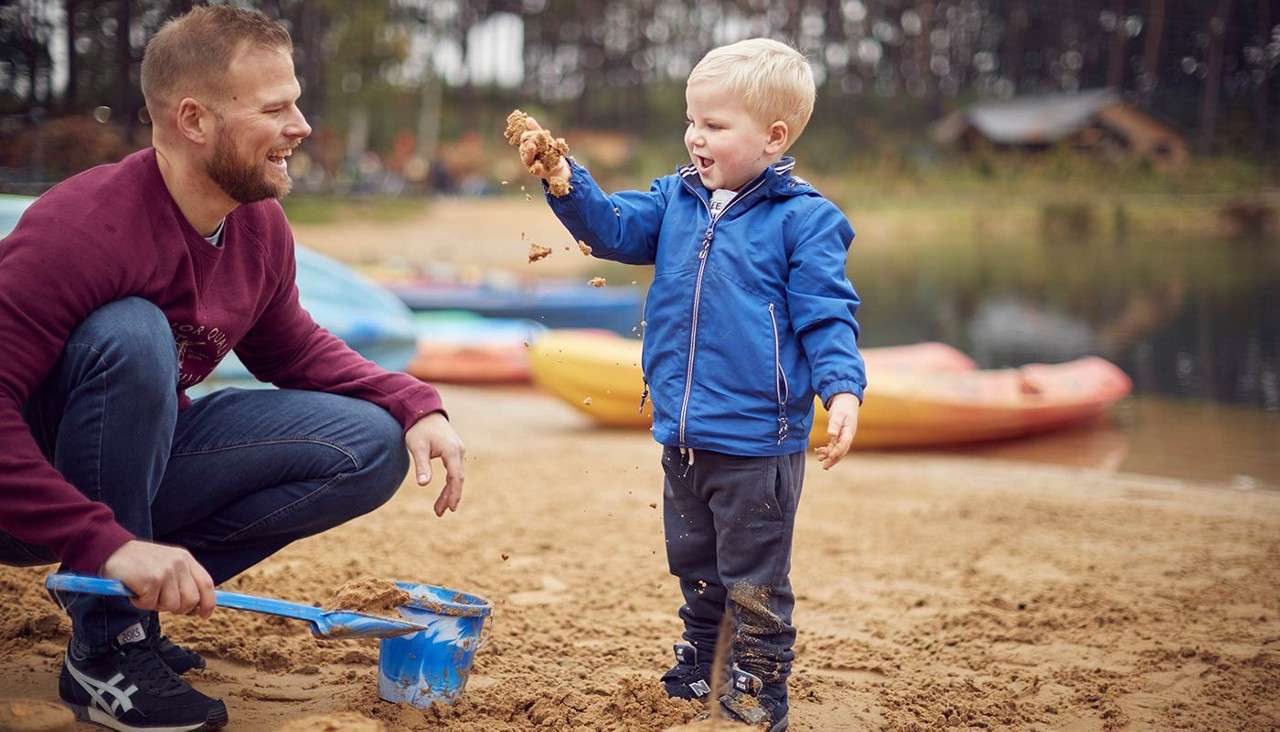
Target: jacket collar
x,y
777,179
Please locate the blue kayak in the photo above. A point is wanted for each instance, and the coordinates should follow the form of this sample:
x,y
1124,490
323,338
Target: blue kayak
x,y
364,315
554,304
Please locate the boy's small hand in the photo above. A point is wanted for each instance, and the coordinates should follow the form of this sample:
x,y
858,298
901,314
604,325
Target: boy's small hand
x,y
842,425
529,152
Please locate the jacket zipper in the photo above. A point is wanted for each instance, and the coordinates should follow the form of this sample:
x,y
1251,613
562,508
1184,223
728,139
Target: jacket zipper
x,y
697,289
780,385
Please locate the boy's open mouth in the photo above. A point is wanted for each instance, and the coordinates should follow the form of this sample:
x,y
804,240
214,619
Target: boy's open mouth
x,y
703,163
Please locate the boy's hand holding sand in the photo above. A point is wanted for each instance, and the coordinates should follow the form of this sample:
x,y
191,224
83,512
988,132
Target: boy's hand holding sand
x,y
541,153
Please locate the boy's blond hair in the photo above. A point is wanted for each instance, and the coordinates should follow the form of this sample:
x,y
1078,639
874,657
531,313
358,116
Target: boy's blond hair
x,y
773,79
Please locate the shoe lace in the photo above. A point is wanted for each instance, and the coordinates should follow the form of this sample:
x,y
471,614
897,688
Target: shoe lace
x,y
144,667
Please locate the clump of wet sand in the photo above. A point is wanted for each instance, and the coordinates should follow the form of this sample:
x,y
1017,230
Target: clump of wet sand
x,y
31,715
537,143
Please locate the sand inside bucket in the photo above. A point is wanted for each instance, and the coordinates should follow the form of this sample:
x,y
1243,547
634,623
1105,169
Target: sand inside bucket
x,y
369,595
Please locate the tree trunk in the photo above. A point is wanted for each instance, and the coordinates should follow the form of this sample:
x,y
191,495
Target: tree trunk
x,y
1261,101
1151,50
124,65
1213,82
71,7
1115,56
1019,19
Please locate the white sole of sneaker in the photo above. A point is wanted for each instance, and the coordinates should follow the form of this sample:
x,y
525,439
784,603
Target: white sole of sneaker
x,y
97,716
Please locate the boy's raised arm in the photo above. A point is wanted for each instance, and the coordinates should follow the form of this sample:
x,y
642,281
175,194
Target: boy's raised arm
x,y
622,227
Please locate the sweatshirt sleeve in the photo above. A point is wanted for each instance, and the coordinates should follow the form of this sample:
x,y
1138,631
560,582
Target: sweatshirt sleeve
x,y
823,303
50,281
623,227
287,348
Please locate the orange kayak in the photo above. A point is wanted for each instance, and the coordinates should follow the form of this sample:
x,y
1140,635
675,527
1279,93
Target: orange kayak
x,y
914,409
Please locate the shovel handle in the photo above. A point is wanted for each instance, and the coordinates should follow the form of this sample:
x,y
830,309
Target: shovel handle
x,y
234,600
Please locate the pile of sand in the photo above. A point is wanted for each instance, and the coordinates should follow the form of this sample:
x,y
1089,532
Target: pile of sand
x,y
369,595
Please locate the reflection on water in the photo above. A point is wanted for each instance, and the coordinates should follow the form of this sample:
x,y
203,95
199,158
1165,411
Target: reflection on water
x,y
1192,319
1195,324
1193,440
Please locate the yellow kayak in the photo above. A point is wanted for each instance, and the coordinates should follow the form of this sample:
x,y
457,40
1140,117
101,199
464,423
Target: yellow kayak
x,y
921,394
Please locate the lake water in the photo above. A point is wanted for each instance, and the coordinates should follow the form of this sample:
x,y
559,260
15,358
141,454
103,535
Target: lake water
x,y
1195,324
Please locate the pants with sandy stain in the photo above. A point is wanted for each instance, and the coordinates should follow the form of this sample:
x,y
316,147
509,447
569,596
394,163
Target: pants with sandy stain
x,y
728,522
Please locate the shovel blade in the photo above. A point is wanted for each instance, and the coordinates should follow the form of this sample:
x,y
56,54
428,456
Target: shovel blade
x,y
337,624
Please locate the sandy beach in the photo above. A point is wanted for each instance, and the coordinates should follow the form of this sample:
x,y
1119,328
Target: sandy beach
x,y
933,591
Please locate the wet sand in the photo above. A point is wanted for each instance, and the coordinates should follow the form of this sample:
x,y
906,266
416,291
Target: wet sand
x,y
932,591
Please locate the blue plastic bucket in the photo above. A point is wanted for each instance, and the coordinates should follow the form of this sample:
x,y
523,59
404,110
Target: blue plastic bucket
x,y
432,665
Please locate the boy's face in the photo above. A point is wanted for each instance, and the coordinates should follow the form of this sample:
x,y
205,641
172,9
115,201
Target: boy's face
x,y
725,142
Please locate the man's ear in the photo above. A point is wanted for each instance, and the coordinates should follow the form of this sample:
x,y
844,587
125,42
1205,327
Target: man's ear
x,y
779,138
195,121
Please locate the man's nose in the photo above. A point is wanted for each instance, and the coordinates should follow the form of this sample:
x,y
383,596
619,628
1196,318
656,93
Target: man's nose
x,y
298,126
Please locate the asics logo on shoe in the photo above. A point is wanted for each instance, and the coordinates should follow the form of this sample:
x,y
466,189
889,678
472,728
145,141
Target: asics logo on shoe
x,y
98,690
132,634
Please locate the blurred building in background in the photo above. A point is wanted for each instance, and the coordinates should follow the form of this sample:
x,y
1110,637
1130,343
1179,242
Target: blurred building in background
x,y
1098,121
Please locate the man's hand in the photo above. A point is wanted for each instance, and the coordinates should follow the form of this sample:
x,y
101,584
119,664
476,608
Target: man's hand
x,y
842,425
433,437
528,153
165,578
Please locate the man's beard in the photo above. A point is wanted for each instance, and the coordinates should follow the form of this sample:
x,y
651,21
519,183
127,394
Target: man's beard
x,y
243,183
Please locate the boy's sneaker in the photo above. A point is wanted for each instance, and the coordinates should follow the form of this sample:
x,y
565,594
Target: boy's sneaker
x,y
751,701
130,688
689,678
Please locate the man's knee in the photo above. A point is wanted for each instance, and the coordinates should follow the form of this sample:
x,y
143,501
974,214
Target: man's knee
x,y
385,462
132,337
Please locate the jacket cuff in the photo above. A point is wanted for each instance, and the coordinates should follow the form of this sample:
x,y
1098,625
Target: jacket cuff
x,y
579,182
87,556
845,386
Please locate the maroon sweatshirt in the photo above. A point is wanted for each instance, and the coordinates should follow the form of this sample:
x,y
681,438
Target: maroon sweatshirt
x,y
113,232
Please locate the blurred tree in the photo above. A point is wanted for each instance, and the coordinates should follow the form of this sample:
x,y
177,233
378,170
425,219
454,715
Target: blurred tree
x,y
886,68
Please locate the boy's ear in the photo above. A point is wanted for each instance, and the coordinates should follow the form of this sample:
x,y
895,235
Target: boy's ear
x,y
779,138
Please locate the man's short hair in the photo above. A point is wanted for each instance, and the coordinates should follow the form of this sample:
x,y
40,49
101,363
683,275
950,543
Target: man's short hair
x,y
773,79
191,53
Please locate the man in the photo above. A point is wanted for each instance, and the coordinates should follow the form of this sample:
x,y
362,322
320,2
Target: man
x,y
125,285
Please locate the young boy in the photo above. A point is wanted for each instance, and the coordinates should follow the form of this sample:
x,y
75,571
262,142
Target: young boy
x,y
749,315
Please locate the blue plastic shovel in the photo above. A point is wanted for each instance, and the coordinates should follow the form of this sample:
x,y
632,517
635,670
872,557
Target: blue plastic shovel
x,y
324,623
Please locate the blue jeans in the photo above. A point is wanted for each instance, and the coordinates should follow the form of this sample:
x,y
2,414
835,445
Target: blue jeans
x,y
234,478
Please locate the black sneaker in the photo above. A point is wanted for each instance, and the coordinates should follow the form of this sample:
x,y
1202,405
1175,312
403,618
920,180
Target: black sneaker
x,y
753,702
174,656
688,679
131,689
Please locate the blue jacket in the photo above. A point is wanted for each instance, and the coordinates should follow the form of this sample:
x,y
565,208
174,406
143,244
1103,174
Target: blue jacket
x,y
748,316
